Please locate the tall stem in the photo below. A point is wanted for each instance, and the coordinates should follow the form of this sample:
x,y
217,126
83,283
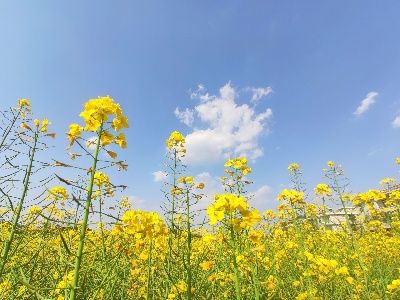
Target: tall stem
x,y
235,265
79,252
19,207
189,248
149,268
353,242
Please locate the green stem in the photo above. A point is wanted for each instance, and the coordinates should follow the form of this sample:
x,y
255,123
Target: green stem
x,y
149,268
79,252
189,248
172,225
102,230
254,271
19,208
353,243
235,265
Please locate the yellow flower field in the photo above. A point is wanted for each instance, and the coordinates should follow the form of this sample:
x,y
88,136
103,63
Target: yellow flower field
x,y
50,250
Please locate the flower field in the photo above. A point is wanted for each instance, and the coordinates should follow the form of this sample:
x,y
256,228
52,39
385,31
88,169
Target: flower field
x,y
59,241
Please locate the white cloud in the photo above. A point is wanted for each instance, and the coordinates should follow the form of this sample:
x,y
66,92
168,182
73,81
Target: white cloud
x,y
159,175
93,141
185,116
396,122
366,103
258,93
231,129
262,199
137,203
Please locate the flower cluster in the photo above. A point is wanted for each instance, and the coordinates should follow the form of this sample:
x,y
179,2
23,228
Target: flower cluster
x,y
95,115
237,210
294,169
101,179
24,107
57,193
387,181
322,190
143,224
238,163
176,139
293,197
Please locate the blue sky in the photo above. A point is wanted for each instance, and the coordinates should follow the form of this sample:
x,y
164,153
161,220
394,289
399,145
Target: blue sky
x,y
278,81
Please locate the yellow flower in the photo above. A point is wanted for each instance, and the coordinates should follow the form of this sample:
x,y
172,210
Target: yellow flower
x,y
209,238
57,193
255,236
33,210
101,179
228,163
96,112
180,287
24,102
207,265
294,168
394,285
112,154
350,280
200,186
293,197
270,282
342,271
175,139
259,249
250,218
387,180
74,132
322,189
215,214
189,179
24,126
269,214
302,296
120,140
143,223
45,122
330,164
36,122
176,191
106,138
119,123
186,180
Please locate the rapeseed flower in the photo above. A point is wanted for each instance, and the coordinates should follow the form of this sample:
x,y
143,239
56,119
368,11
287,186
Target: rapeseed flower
x,y
176,139
57,193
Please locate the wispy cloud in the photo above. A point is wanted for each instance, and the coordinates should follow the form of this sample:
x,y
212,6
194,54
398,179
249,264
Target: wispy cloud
x,y
262,199
396,122
185,116
230,129
374,151
258,93
366,103
159,176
